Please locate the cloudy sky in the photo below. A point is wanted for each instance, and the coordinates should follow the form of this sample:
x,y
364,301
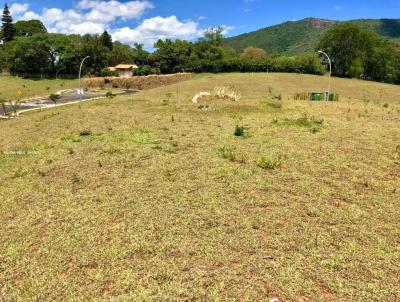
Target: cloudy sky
x,y
145,21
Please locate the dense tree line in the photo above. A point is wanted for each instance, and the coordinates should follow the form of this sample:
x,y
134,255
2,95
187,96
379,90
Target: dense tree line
x,y
29,50
358,53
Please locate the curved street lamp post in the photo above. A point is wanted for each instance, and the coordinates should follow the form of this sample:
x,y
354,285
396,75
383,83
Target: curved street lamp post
x,y
80,92
330,72
58,72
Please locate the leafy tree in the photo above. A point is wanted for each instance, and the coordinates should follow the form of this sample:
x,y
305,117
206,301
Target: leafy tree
x,y
140,56
214,35
106,40
29,28
173,56
29,56
120,54
356,52
254,53
92,46
7,29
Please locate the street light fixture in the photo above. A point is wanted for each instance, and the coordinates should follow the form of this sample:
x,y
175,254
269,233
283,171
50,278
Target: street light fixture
x,y
80,92
58,72
330,71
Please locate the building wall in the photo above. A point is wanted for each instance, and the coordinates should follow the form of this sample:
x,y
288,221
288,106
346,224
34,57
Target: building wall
x,y
125,73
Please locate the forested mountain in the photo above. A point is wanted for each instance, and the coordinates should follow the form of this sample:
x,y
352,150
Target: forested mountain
x,y
296,37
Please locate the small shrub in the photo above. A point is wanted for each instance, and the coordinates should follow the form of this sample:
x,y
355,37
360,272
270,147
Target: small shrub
x,y
54,97
109,95
85,133
314,130
270,163
386,105
241,131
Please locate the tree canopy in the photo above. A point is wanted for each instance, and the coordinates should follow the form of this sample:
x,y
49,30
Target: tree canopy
x,y
29,28
359,53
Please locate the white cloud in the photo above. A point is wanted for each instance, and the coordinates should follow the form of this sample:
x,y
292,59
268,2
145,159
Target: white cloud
x,y
150,30
95,16
338,7
87,16
18,8
115,9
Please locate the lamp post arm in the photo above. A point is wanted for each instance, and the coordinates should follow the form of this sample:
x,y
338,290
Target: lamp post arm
x,y
80,72
330,70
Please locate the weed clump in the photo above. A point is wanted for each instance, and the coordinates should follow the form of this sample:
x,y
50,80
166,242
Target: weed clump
x,y
85,133
306,121
229,153
75,179
271,162
273,104
203,107
302,96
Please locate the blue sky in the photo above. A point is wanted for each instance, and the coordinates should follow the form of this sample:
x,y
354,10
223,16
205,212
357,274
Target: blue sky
x,y
147,20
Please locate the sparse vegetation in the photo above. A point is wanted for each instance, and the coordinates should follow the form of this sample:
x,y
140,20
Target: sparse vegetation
x,y
270,162
166,203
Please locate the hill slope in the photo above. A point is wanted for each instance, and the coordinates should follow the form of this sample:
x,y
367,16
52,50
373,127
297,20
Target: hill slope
x,y
296,37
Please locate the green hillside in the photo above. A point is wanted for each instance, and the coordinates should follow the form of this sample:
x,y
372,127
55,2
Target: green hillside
x,y
296,37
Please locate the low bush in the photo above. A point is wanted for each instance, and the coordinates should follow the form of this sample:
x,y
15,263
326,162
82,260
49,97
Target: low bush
x,y
241,131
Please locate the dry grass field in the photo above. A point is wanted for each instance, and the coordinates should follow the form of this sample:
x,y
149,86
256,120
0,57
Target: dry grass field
x,y
149,197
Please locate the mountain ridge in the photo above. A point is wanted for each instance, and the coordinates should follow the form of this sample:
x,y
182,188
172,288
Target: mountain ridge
x,y
296,37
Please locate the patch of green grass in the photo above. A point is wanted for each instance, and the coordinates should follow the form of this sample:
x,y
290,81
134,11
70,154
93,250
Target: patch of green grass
x,y
20,173
273,104
271,162
31,88
306,121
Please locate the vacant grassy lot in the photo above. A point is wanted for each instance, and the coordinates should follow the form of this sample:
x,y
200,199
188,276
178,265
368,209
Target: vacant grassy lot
x,y
152,198
9,87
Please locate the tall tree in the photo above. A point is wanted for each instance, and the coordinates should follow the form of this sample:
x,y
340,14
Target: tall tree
x,y
7,28
29,28
356,52
106,40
